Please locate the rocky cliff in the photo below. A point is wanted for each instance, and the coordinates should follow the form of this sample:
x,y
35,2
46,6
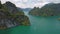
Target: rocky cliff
x,y
51,9
10,16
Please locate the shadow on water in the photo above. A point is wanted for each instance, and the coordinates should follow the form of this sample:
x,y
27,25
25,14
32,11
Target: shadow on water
x,y
5,31
16,30
21,30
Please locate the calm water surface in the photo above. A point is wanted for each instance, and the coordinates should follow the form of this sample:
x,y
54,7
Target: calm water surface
x,y
39,25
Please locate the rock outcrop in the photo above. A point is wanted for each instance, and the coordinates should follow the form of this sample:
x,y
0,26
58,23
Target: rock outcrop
x,y
10,16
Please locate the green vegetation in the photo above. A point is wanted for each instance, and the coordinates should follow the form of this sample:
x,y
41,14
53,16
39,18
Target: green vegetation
x,y
50,9
9,11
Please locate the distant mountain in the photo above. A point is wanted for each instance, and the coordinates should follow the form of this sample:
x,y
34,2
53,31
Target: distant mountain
x,y
50,9
26,9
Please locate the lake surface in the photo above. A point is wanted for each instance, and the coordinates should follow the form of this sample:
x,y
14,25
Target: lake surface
x,y
39,25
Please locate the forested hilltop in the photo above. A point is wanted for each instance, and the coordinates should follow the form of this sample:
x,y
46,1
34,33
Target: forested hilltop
x,y
10,16
51,9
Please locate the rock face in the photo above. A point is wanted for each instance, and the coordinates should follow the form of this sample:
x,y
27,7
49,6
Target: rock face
x,y
50,9
10,16
35,11
12,8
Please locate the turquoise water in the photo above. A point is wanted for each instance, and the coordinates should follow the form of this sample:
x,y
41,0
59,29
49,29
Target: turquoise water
x,y
39,25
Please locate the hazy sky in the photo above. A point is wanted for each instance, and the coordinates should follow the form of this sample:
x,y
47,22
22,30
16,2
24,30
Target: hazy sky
x,y
30,3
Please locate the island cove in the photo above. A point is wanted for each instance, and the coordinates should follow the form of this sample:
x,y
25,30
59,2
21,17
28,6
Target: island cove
x,y
10,16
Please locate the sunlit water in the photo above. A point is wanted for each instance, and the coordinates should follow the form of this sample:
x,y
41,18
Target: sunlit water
x,y
39,25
